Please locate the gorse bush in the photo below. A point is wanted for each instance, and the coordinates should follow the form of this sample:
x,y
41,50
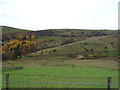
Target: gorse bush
x,y
20,46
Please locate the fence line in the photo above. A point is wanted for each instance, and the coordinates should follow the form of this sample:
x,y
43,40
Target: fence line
x,y
108,79
61,76
67,83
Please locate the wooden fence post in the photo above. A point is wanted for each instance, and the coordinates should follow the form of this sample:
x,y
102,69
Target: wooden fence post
x,y
109,83
7,81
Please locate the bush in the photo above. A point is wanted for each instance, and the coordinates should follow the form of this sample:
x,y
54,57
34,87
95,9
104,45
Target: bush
x,y
86,49
44,46
85,44
91,56
14,49
112,43
106,47
71,55
97,55
92,49
103,55
67,41
41,52
54,50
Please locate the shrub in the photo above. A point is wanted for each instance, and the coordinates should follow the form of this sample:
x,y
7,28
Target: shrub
x,y
85,44
86,49
106,47
71,55
67,41
112,43
18,47
91,56
41,52
96,55
44,46
54,50
103,55
92,49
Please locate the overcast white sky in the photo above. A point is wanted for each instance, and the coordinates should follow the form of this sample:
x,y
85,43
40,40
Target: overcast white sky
x,y
54,14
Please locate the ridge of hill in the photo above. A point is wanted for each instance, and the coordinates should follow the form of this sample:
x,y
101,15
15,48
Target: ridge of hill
x,y
7,30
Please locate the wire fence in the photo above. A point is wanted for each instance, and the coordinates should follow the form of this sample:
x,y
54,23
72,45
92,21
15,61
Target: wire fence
x,y
18,74
29,80
68,83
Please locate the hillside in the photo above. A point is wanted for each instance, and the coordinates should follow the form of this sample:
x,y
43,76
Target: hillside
x,y
84,31
56,58
7,30
94,45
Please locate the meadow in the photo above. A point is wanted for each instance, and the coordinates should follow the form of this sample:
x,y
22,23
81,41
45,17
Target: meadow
x,y
59,72
41,77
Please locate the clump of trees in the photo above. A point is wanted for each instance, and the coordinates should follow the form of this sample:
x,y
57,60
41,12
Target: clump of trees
x,y
23,44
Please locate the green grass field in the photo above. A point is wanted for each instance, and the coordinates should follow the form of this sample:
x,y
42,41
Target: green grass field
x,y
61,69
61,74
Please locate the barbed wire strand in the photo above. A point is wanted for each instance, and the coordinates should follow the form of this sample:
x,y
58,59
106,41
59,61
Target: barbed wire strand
x,y
66,83
61,76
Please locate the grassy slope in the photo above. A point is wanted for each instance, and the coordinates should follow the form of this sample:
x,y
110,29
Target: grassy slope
x,y
98,44
6,29
86,30
50,41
